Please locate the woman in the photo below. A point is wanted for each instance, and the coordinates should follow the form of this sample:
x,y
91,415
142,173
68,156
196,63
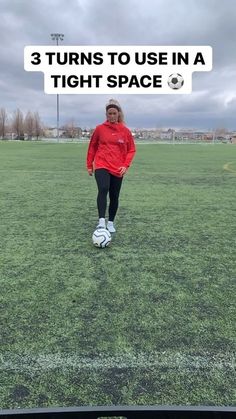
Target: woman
x,y
110,152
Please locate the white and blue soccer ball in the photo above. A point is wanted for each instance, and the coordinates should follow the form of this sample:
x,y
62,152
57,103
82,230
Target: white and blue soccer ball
x,y
175,81
101,237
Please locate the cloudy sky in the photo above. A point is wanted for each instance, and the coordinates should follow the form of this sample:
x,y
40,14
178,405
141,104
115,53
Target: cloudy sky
x,y
212,104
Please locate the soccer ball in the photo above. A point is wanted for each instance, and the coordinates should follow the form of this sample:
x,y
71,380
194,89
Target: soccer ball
x,y
175,81
101,237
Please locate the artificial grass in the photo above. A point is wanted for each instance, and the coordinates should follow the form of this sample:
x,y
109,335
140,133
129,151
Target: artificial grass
x,y
149,320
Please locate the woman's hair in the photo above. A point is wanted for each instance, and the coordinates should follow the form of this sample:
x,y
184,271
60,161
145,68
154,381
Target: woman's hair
x,y
115,104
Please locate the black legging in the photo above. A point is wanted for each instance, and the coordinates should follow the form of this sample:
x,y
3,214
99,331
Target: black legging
x,y
107,182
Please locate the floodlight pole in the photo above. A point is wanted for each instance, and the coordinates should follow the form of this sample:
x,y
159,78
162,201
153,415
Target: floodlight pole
x,y
57,37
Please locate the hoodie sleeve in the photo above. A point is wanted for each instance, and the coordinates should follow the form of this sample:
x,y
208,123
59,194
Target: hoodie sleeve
x,y
131,150
92,148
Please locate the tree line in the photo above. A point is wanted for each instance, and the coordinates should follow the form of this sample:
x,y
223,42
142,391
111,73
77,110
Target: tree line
x,y
19,126
27,127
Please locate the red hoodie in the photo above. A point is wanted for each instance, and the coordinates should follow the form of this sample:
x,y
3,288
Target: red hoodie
x,y
111,147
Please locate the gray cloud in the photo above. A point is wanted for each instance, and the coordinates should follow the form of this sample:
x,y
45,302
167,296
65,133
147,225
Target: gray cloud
x,y
127,22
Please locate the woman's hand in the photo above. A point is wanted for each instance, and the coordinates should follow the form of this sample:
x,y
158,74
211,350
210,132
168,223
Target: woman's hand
x,y
90,172
122,170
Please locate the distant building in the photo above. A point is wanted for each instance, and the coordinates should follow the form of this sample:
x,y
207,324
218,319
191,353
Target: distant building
x,y
233,139
52,132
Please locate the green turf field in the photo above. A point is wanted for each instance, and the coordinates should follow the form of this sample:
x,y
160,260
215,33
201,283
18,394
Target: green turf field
x,y
150,320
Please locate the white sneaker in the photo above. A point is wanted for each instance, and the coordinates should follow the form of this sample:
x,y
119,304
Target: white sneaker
x,y
110,227
101,223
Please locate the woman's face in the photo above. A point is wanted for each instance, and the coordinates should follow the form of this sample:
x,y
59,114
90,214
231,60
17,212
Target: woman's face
x,y
112,115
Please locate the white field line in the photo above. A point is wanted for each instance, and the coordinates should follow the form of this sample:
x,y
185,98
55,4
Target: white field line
x,y
44,362
228,167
